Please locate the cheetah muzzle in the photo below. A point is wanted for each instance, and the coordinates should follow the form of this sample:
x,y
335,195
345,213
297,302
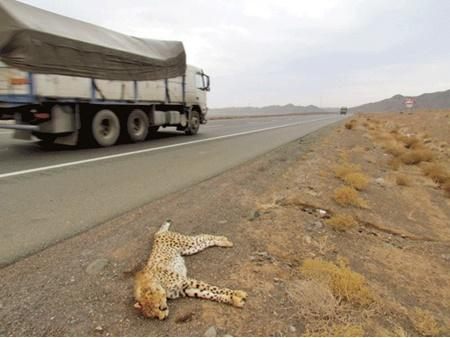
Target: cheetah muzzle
x,y
165,275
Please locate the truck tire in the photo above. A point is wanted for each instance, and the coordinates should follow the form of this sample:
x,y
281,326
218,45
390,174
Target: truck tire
x,y
137,126
193,124
105,128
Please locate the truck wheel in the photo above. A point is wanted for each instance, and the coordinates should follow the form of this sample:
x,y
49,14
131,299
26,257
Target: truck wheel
x,y
105,128
137,125
194,123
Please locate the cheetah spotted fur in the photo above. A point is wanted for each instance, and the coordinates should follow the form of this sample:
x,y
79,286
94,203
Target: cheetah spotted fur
x,y
165,275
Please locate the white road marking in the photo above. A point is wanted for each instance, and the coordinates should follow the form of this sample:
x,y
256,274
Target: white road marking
x,y
131,153
260,122
216,126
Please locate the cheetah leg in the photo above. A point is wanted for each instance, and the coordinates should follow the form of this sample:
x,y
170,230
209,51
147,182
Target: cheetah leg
x,y
197,289
194,244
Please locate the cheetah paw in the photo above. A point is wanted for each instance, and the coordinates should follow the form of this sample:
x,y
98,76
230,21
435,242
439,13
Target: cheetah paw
x,y
224,242
238,298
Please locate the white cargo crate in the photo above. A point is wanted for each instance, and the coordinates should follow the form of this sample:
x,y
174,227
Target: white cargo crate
x,y
60,86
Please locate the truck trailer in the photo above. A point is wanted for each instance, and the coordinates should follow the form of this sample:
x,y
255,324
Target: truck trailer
x,y
69,82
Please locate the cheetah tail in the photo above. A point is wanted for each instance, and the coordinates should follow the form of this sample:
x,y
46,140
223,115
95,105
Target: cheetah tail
x,y
166,225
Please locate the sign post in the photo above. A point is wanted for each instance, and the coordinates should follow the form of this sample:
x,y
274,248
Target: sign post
x,y
409,103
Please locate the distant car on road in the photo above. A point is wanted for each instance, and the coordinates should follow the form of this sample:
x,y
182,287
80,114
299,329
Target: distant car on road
x,y
344,110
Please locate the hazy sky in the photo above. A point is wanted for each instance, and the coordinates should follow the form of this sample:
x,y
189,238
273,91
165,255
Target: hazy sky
x,y
258,52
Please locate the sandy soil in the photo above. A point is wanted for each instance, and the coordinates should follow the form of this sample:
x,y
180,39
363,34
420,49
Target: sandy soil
x,y
385,273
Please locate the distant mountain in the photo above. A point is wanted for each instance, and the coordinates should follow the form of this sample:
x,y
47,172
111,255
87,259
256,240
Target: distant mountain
x,y
437,100
267,110
431,101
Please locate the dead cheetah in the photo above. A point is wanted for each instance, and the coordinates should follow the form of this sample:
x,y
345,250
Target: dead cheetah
x,y
164,277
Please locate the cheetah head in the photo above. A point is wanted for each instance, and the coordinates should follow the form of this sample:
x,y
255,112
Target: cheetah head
x,y
151,298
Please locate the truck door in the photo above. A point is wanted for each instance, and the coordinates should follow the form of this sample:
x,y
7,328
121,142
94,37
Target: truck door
x,y
176,89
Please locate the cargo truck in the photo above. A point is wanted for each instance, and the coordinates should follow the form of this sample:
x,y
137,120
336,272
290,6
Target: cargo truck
x,y
70,82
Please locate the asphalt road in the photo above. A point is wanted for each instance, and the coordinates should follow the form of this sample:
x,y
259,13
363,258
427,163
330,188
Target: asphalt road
x,y
50,195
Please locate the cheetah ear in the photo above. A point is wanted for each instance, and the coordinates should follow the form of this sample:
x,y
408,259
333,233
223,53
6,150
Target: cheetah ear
x,y
165,226
137,305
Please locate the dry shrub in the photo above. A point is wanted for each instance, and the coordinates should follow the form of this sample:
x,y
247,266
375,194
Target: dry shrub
x,y
345,284
419,146
343,155
324,246
339,330
393,148
343,169
342,222
437,173
403,180
408,141
357,180
347,330
383,137
424,322
394,131
323,173
312,299
446,188
395,163
350,125
396,331
416,156
377,122
349,196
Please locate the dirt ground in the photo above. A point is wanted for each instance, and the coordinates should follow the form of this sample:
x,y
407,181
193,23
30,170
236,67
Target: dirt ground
x,y
343,232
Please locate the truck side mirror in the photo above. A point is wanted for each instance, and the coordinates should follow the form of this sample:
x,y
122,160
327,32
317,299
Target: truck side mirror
x,y
206,83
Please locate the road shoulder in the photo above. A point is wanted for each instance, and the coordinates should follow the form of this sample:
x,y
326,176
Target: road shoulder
x,y
52,293
314,261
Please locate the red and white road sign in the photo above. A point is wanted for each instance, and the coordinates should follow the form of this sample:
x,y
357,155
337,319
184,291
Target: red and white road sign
x,y
409,102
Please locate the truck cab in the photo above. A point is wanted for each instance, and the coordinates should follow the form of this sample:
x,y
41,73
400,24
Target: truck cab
x,y
197,86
